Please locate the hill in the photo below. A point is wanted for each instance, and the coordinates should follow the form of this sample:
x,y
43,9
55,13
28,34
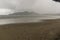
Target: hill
x,y
25,13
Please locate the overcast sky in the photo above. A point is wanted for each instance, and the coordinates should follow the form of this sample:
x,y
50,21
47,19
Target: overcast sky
x,y
40,6
47,6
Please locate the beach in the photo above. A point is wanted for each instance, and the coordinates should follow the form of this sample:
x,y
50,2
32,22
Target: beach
x,y
30,28
47,30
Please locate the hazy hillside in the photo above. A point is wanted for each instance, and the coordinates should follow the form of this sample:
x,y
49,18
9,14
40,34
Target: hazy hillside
x,y
20,14
25,13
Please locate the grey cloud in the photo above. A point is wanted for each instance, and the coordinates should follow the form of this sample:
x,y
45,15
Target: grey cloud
x,y
40,6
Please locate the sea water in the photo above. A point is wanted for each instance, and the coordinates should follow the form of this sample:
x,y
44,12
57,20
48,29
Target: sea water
x,y
27,19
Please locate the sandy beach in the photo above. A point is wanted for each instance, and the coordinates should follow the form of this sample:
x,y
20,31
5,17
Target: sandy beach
x,y
47,30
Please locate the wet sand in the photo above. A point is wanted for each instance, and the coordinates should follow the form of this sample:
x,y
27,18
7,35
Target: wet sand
x,y
47,30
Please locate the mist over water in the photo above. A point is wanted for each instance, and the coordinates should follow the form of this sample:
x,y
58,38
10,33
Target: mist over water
x,y
27,19
42,7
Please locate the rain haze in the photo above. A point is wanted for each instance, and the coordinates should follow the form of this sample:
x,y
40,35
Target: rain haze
x,y
29,19
39,6
47,7
35,7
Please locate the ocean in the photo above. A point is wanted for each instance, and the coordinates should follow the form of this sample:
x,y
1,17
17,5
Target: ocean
x,y
27,19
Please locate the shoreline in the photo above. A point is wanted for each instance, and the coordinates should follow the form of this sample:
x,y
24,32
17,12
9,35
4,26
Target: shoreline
x,y
47,30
